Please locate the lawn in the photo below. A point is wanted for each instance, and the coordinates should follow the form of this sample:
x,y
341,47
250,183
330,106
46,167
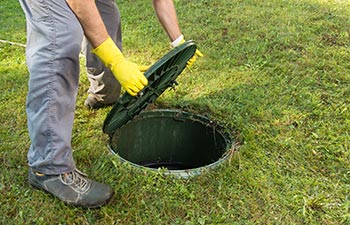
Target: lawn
x,y
275,72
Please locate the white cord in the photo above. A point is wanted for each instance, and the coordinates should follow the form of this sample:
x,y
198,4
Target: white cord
x,y
22,45
12,43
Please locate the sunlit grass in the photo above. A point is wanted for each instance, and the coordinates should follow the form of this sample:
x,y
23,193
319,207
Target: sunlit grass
x,y
276,72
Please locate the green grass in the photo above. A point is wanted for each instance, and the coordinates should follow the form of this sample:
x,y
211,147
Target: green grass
x,y
275,71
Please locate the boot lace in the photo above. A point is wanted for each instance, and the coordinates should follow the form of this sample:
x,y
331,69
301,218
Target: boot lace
x,y
76,180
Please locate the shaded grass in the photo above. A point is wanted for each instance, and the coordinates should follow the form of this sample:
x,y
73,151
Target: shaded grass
x,y
12,22
276,71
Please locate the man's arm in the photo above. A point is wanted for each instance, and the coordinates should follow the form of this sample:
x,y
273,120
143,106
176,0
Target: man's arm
x,y
166,14
127,73
90,19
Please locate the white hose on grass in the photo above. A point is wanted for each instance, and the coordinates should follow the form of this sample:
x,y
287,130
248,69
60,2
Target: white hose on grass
x,y
12,43
22,45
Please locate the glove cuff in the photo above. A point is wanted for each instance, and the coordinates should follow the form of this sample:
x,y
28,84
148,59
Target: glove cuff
x,y
178,41
108,52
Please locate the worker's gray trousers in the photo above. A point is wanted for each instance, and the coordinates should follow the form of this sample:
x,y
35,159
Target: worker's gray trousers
x,y
54,39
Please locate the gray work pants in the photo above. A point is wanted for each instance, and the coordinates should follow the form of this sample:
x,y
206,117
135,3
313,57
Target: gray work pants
x,y
103,85
54,40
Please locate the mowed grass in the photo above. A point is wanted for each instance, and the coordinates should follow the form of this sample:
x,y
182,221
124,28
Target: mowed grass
x,y
276,72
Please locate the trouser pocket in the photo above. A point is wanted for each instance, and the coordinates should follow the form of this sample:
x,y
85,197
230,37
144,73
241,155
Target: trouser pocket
x,y
39,9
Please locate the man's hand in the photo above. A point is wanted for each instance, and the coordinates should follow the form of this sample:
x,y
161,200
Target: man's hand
x,y
127,73
143,68
180,40
194,58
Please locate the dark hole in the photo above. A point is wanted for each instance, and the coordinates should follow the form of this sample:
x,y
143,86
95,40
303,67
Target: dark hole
x,y
170,139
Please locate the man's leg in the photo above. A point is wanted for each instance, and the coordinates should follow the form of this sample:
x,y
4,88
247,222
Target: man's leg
x,y
53,46
104,88
54,38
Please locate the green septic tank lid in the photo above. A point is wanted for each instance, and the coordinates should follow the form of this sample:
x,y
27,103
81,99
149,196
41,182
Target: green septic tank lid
x,y
161,75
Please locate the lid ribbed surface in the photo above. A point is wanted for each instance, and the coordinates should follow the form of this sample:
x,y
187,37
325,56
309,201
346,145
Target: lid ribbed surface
x,y
161,75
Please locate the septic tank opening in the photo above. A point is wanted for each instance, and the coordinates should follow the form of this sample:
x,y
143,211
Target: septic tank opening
x,y
181,142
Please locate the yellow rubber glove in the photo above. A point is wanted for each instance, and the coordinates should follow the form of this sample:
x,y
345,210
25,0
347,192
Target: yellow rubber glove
x,y
143,68
126,72
180,40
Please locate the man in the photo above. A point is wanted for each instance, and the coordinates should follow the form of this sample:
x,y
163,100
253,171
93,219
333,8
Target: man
x,y
55,31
